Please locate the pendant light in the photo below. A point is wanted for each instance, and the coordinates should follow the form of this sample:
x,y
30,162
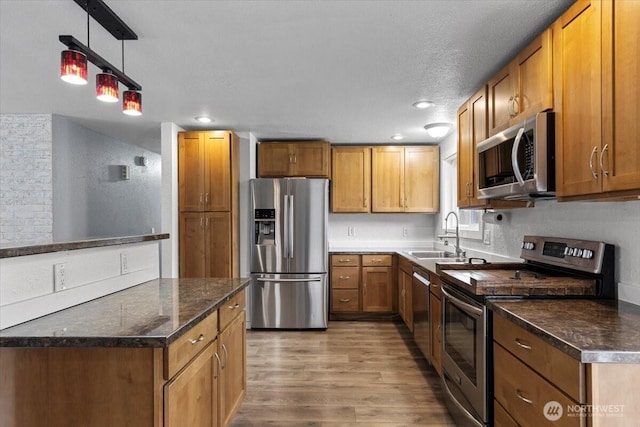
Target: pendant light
x,y
73,67
132,103
107,87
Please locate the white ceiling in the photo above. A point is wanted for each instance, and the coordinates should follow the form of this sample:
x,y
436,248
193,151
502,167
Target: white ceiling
x,y
345,71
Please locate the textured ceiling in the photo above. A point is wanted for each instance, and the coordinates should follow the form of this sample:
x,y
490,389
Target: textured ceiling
x,y
346,71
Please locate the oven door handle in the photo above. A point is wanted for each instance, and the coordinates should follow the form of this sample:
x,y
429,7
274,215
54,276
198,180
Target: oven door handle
x,y
514,157
464,410
461,304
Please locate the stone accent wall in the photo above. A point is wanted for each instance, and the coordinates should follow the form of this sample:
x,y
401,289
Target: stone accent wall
x,y
26,183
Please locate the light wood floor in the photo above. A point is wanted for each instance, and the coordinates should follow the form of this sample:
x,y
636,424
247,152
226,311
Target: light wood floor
x,y
355,373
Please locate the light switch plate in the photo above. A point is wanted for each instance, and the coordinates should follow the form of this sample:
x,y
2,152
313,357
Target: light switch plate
x,y
59,277
124,263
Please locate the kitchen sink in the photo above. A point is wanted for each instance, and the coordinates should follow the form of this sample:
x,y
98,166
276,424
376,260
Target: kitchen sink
x,y
431,254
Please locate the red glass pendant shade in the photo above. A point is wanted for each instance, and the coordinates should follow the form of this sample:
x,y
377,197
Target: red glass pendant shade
x,y
107,87
132,103
73,67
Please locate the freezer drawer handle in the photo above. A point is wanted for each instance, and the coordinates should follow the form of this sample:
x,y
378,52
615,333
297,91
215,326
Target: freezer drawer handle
x,y
311,279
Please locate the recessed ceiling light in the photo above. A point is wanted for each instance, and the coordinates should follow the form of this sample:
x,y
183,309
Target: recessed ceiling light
x,y
397,137
204,119
438,130
423,104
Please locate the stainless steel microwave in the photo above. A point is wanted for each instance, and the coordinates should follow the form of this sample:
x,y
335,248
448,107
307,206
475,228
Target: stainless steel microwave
x,y
519,162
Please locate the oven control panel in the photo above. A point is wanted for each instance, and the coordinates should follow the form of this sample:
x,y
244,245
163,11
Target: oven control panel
x,y
584,255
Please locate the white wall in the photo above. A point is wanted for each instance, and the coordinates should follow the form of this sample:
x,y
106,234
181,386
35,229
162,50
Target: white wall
x,y
26,184
170,249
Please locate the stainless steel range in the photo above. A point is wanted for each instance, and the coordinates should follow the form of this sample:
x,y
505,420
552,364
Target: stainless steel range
x,y
553,268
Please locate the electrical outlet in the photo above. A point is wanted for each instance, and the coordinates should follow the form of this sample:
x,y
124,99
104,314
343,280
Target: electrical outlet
x,y
59,279
487,237
124,266
351,231
405,231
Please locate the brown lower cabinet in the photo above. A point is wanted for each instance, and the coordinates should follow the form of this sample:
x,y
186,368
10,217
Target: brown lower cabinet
x,y
198,380
362,283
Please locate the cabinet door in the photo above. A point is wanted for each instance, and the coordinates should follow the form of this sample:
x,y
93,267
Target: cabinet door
x,y
501,95
350,179
192,245
465,156
435,322
534,91
620,165
402,310
577,76
233,380
408,301
274,159
311,159
217,155
218,244
387,168
191,171
421,179
478,133
377,285
190,398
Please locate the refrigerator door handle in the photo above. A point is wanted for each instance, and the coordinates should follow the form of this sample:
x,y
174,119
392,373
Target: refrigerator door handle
x,y
291,214
285,243
310,279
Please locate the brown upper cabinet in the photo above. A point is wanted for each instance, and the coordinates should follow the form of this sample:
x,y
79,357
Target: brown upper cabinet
x,y
597,131
351,179
472,129
405,179
204,171
523,87
294,159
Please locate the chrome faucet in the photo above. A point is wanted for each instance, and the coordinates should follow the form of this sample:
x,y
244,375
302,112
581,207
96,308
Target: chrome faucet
x,y
459,252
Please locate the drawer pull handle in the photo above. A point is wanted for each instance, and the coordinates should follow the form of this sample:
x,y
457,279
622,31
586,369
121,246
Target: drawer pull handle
x,y
219,365
226,356
524,399
344,260
521,344
345,277
197,340
233,307
345,299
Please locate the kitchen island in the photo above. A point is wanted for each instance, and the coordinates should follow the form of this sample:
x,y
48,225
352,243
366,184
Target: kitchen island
x,y
162,353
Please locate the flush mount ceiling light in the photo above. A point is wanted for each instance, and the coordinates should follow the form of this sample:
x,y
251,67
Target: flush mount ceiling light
x,y
423,104
438,130
73,67
203,119
397,137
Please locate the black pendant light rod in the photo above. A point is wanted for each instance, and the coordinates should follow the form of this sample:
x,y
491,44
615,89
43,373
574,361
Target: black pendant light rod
x,y
99,61
108,19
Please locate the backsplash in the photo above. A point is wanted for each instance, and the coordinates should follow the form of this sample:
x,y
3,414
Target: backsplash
x,y
26,181
385,230
615,223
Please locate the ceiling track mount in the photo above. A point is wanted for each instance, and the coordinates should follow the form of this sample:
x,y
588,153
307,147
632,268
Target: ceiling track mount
x,y
108,19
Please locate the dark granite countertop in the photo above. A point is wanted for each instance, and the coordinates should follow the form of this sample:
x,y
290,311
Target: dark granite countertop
x,y
591,331
15,251
152,314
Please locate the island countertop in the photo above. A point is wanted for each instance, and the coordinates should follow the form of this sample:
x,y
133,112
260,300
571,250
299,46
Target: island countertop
x,y
591,331
152,314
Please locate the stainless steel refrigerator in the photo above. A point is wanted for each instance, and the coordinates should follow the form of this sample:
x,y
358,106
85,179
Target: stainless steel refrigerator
x,y
289,253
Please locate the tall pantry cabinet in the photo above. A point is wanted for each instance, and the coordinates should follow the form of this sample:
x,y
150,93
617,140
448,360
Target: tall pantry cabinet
x,y
208,170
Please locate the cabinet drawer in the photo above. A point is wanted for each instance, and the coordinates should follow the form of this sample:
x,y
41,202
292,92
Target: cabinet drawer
x,y
345,260
523,393
181,351
230,309
436,287
405,265
345,300
345,277
565,372
376,260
